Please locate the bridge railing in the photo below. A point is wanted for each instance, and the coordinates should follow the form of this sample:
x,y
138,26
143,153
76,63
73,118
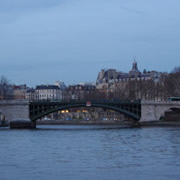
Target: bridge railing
x,y
85,100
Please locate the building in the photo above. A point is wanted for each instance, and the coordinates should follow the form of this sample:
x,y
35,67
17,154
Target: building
x,y
80,91
111,76
19,91
48,92
134,73
131,85
30,94
61,85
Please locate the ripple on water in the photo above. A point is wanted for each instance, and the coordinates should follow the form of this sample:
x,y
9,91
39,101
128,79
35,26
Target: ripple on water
x,y
87,152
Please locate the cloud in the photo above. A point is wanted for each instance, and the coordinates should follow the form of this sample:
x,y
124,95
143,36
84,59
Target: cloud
x,y
133,10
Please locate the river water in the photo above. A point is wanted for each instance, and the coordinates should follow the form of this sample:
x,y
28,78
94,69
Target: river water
x,y
70,152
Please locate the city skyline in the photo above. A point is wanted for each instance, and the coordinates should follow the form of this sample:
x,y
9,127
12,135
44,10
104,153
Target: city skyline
x,y
45,41
46,83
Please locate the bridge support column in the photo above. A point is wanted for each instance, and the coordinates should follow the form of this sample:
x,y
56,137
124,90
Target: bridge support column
x,y
15,110
147,112
154,110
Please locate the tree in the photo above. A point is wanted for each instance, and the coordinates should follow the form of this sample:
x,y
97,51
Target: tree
x,y
5,90
175,80
171,83
176,70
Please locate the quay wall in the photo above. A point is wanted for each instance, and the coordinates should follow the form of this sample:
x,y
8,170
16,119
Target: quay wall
x,y
13,110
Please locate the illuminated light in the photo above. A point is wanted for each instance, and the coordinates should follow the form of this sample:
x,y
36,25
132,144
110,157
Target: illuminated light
x,y
62,111
67,111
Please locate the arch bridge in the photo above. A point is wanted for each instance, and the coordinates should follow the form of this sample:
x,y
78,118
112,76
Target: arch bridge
x,y
38,109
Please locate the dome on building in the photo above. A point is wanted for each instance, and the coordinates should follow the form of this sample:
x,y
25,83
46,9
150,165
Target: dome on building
x,y
134,71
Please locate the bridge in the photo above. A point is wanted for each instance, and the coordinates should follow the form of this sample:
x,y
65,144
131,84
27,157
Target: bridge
x,y
39,109
147,111
155,110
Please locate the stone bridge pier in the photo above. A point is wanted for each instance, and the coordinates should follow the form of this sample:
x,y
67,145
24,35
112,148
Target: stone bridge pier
x,y
13,110
154,110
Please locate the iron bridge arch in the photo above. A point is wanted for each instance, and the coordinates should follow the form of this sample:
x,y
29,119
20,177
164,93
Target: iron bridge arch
x,y
39,109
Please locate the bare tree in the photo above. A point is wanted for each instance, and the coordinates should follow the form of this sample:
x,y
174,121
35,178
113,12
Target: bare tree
x,y
5,90
120,91
176,70
171,83
174,81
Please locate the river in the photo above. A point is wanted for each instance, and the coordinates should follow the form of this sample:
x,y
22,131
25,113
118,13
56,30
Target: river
x,y
69,152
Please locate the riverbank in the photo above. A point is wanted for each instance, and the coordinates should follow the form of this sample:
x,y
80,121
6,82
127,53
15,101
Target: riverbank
x,y
125,124
132,124
77,122
160,124
4,126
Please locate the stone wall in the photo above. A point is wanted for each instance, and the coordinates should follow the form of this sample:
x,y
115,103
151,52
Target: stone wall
x,y
155,110
13,110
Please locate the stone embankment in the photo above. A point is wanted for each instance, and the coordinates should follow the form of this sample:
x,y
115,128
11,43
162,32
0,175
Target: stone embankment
x,y
22,125
160,124
26,125
131,124
77,122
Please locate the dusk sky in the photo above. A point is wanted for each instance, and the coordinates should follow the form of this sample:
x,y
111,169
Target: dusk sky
x,y
42,41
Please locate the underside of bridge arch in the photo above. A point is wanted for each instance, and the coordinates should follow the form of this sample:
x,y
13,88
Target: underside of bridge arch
x,y
40,113
171,114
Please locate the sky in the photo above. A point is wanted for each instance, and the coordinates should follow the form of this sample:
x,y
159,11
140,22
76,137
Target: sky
x,y
42,41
